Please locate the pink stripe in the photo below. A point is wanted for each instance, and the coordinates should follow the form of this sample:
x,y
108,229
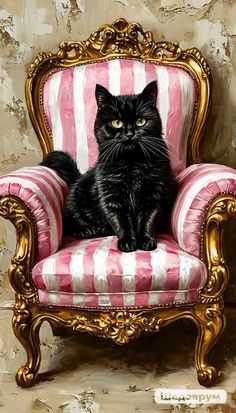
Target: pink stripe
x,y
172,280
127,77
62,269
174,119
114,274
46,100
151,74
66,108
196,278
37,277
96,73
143,278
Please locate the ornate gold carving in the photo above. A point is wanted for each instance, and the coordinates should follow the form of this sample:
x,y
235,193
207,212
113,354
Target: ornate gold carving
x,y
42,56
120,38
15,210
26,328
119,325
221,208
210,323
197,54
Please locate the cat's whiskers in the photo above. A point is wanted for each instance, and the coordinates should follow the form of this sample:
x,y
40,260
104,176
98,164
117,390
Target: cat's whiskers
x,y
110,153
114,150
106,154
146,154
149,149
155,150
162,145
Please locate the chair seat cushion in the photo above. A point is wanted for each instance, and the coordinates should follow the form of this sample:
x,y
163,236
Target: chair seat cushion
x,y
94,273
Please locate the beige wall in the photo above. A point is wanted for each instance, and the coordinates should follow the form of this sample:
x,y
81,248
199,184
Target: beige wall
x,y
29,26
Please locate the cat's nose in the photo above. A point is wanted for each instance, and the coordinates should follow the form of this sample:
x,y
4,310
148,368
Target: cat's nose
x,y
130,134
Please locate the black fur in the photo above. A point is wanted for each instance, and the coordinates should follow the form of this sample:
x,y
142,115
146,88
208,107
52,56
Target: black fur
x,y
130,190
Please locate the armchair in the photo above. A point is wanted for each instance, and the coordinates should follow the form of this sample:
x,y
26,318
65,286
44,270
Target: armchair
x,y
89,285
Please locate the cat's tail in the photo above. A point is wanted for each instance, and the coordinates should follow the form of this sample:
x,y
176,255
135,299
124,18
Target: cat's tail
x,y
63,164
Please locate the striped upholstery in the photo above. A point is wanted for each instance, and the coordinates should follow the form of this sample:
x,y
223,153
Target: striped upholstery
x,y
94,273
70,106
44,193
199,184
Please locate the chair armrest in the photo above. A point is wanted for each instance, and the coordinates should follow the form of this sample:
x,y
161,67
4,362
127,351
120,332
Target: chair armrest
x,y
199,185
43,193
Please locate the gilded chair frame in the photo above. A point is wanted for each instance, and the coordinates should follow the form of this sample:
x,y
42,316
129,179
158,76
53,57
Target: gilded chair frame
x,y
119,40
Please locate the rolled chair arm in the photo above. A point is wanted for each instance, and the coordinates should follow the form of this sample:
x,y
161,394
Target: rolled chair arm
x,y
199,185
43,193
206,199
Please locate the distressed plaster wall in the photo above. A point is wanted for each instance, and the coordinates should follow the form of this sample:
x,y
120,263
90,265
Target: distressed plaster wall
x,y
29,26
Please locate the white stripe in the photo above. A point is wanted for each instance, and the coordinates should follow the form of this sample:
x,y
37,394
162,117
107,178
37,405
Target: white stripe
x,y
104,300
79,299
114,76
100,269
57,131
163,85
192,193
77,266
49,274
128,263
159,267
80,119
54,230
154,297
185,265
181,297
139,76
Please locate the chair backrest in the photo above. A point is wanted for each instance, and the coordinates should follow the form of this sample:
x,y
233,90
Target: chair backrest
x,y
60,90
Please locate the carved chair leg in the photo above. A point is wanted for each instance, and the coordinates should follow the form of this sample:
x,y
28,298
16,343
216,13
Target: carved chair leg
x,y
28,335
210,322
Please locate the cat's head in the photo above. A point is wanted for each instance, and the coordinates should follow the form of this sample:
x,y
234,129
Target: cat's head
x,y
127,123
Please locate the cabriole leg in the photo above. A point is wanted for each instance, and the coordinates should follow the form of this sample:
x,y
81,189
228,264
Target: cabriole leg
x,y
210,323
27,332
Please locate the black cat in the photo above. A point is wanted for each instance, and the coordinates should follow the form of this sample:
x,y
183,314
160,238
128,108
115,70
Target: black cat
x,y
130,190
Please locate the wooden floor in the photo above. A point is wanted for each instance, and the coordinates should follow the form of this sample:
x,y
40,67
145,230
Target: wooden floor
x,y
96,376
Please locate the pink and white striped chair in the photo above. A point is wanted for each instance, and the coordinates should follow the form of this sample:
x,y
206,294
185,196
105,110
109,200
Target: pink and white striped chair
x,y
89,285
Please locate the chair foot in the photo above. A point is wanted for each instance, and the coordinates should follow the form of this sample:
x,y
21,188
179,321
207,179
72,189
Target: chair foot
x,y
25,377
208,376
28,335
210,323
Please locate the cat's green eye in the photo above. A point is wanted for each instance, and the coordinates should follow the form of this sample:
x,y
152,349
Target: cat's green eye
x,y
117,123
140,122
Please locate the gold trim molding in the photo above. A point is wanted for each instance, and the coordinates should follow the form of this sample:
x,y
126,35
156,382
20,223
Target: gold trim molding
x,y
220,209
16,211
121,326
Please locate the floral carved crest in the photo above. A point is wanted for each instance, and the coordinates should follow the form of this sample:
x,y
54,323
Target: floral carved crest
x,y
119,39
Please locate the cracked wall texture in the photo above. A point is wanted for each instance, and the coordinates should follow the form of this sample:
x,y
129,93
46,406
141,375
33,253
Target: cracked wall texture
x,y
30,26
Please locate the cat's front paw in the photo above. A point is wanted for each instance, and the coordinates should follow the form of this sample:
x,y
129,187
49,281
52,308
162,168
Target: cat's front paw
x,y
127,244
147,243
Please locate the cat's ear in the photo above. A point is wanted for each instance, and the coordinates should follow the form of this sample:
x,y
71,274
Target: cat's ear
x,y
149,93
103,96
